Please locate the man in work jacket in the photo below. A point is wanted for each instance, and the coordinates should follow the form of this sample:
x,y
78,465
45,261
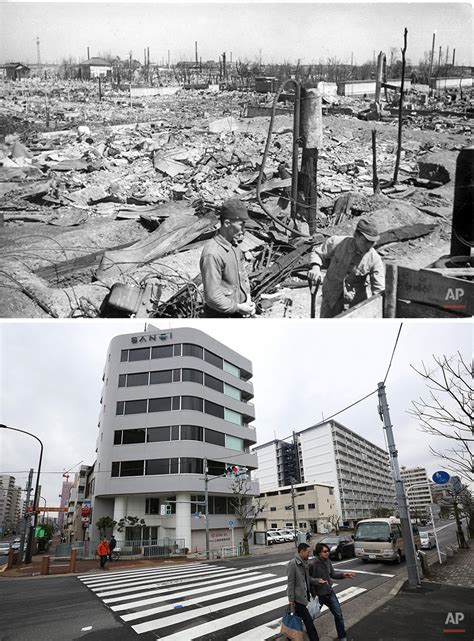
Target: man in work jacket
x,y
322,568
298,589
354,269
224,278
103,550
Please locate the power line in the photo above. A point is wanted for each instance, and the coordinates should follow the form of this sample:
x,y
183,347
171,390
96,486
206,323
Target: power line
x,y
393,352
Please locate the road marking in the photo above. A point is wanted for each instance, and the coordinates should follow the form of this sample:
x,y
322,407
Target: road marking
x,y
390,576
112,578
172,587
198,600
85,577
89,627
163,622
156,578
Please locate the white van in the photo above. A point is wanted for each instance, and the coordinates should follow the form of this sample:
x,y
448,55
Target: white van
x,y
382,540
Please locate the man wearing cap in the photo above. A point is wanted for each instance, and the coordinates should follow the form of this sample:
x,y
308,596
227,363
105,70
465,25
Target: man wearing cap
x,y
224,278
354,269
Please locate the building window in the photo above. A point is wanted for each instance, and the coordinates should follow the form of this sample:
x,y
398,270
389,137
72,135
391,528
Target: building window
x,y
214,409
131,468
232,417
175,432
124,356
311,506
233,392
234,443
213,359
192,376
192,403
274,525
216,468
162,376
273,509
331,490
119,408
191,433
165,351
152,506
137,379
130,437
231,369
220,505
174,466
177,350
160,404
157,466
176,375
300,507
142,354
213,383
156,434
216,438
192,350
191,465
118,437
136,407
122,380
115,468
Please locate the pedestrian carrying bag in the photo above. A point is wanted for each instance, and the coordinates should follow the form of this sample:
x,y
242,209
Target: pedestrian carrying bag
x,y
292,626
314,607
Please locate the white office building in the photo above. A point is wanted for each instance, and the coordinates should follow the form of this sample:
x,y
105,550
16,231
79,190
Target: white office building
x,y
331,454
417,489
171,401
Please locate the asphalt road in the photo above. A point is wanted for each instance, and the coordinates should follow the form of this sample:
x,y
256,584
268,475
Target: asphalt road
x,y
239,599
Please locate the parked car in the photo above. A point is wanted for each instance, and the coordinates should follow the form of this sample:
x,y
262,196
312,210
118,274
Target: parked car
x,y
16,544
288,535
428,540
274,537
4,549
340,547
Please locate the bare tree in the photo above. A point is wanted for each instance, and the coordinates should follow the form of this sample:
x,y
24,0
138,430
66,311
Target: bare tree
x,y
448,412
246,507
335,520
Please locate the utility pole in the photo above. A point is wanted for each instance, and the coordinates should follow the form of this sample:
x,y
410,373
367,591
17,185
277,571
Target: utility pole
x,y
405,523
27,516
454,55
292,480
439,62
431,58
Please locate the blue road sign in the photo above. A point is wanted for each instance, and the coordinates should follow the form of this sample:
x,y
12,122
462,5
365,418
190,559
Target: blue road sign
x,y
440,477
231,524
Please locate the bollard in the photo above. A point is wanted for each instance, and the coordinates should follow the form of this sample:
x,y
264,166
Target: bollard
x,y
449,551
423,560
45,565
72,560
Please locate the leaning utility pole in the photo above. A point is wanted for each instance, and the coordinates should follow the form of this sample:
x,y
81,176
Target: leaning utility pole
x,y
400,111
405,523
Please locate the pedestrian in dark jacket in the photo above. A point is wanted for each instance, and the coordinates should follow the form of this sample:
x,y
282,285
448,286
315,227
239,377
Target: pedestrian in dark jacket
x,y
322,568
112,546
298,589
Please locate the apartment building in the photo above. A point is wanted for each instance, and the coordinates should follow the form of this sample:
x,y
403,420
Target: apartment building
x,y
314,508
331,454
173,401
10,504
417,488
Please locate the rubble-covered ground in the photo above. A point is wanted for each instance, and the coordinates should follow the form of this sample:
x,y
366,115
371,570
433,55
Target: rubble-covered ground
x,y
96,193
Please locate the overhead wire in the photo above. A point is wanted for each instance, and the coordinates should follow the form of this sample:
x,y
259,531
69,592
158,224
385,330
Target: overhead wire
x,y
393,353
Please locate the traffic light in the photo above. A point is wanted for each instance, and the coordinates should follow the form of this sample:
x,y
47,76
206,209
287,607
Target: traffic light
x,y
231,470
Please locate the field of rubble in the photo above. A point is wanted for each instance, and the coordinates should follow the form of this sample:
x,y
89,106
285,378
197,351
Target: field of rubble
x,y
125,192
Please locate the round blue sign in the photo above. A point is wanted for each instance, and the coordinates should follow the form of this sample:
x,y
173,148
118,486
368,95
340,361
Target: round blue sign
x,y
440,477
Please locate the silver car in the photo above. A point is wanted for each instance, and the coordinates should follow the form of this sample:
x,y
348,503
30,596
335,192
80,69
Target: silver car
x,y
428,540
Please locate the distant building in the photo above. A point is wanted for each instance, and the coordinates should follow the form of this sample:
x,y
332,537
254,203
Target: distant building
x,y
64,501
331,454
95,68
76,530
315,507
10,504
417,489
14,71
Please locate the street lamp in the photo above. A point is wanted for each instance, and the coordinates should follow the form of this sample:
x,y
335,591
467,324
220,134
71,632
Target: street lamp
x,y
29,546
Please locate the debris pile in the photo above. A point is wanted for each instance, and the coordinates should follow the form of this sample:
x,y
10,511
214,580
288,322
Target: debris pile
x,y
125,193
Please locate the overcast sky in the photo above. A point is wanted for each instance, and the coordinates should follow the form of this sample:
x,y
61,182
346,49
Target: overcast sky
x,y
51,382
274,31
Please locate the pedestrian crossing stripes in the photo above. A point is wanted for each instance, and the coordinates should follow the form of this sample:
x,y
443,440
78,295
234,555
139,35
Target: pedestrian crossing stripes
x,y
190,602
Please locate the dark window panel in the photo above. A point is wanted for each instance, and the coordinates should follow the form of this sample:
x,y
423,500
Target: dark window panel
x,y
124,356
118,437
136,407
131,468
162,376
216,468
191,465
115,468
119,408
175,432
152,506
176,375
122,380
155,434
217,438
230,507
214,409
192,350
177,350
213,383
141,378
174,466
165,351
191,403
133,436
220,505
142,354
159,404
157,466
191,433
192,376
176,403
213,359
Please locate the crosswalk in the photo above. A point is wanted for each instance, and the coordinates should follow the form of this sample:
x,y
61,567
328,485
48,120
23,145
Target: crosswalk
x,y
198,601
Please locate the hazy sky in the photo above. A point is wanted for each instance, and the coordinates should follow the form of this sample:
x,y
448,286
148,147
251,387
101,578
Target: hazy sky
x,y
51,382
276,31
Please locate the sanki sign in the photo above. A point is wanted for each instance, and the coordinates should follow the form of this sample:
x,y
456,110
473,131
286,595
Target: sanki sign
x,y
152,338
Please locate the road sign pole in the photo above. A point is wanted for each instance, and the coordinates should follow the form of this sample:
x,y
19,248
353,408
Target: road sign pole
x,y
435,534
